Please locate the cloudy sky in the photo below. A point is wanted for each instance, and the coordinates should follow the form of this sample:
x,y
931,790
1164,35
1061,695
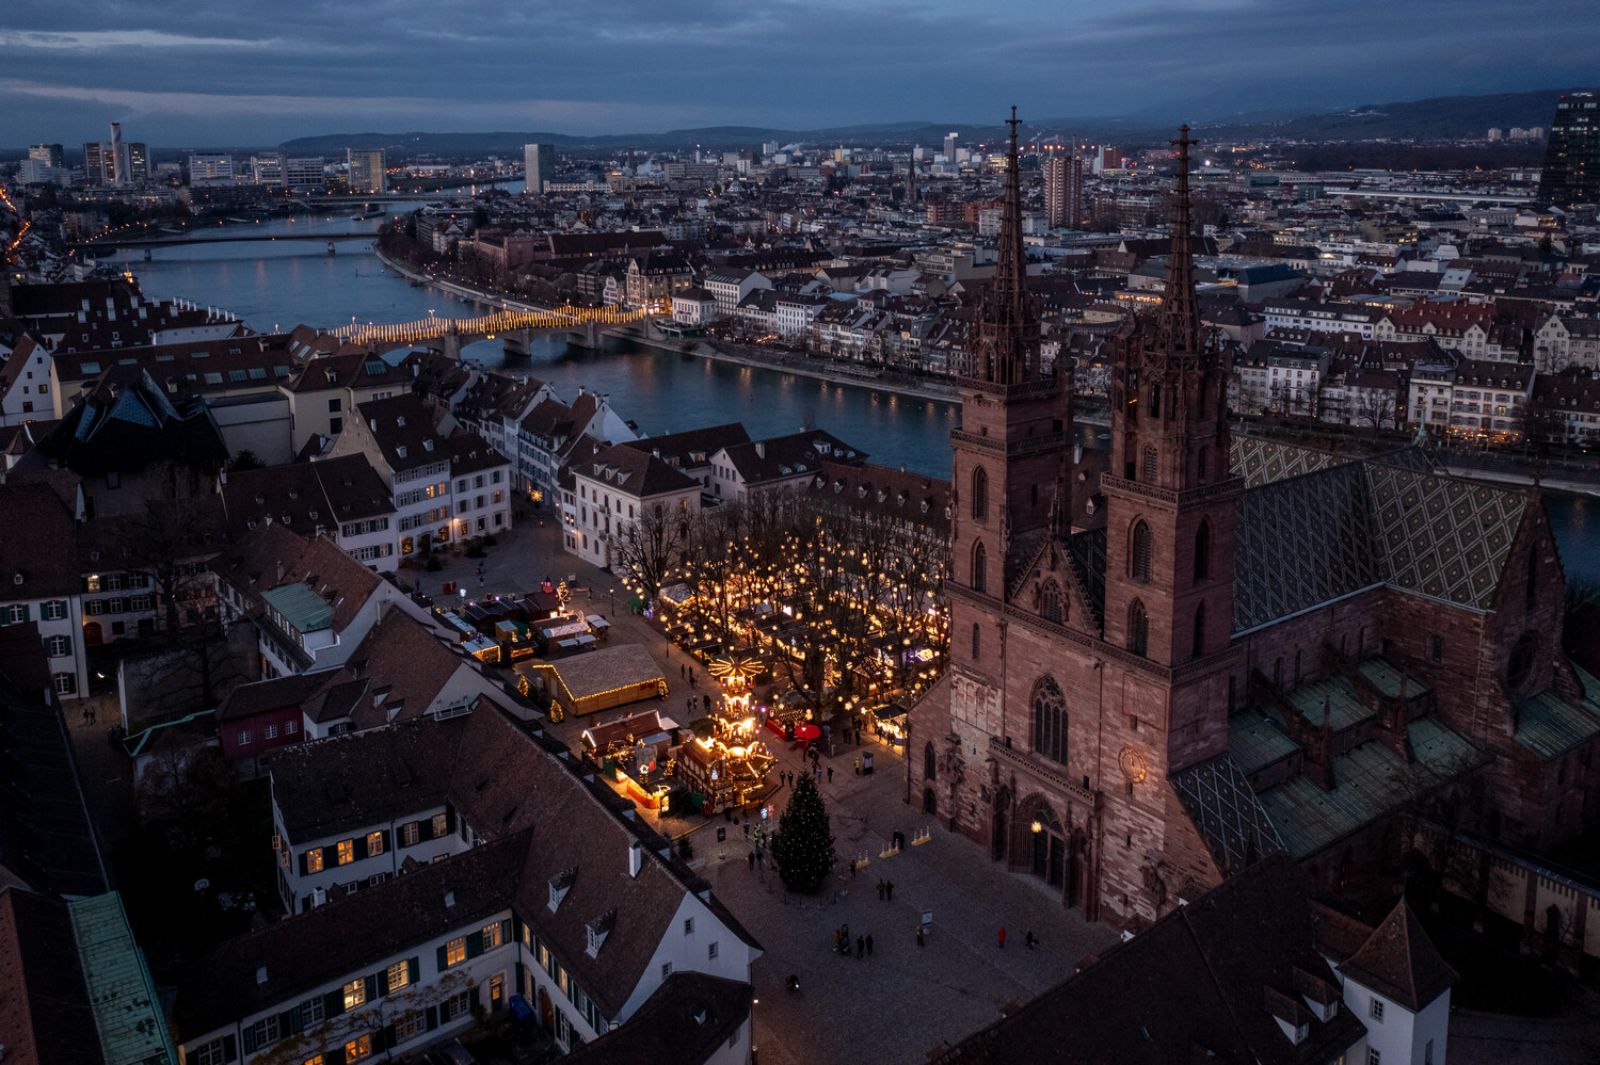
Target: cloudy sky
x,y
243,72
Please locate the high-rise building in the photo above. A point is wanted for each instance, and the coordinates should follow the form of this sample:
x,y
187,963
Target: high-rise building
x,y
1063,188
120,167
950,140
210,169
539,161
51,155
303,172
94,163
1495,134
266,168
1572,158
138,162
367,170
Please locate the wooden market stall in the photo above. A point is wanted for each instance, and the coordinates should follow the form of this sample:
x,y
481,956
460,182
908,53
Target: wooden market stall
x,y
598,680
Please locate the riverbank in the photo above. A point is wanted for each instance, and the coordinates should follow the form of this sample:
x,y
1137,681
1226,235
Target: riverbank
x,y
734,354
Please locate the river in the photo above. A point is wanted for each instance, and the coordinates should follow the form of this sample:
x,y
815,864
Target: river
x,y
278,286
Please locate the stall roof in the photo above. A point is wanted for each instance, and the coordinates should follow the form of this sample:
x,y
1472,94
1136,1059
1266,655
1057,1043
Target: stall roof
x,y
571,628
607,669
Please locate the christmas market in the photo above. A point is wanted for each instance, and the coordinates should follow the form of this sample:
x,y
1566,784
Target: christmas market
x,y
604,678
634,756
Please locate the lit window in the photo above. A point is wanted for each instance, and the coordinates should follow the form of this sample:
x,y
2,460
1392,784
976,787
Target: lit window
x,y
455,951
398,975
441,825
347,851
492,936
355,993
410,834
358,1049
315,1059
314,860
374,843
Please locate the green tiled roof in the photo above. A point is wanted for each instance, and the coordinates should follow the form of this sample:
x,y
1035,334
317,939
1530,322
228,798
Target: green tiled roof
x,y
133,1030
1338,694
1255,741
300,606
1369,781
1549,725
1386,678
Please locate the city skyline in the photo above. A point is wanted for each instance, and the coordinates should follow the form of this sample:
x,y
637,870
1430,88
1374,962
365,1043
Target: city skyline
x,y
237,76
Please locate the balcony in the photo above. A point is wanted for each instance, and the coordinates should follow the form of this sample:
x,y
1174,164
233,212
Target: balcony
x,y
1039,768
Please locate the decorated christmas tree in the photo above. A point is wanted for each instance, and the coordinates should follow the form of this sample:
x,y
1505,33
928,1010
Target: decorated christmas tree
x,y
803,848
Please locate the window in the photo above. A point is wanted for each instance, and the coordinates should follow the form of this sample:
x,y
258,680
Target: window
x,y
980,493
455,951
1149,466
1198,646
358,1049
55,610
410,834
930,763
263,1033
271,732
374,843
441,825
493,936
454,1006
1377,1009
409,1025
334,405
711,952
291,727
980,566
347,851
314,860
1140,554
59,646
1436,648
1050,720
1138,629
315,1059
65,683
1202,552
355,993
688,926
212,1053
1052,604
311,1011
666,969
245,737
1374,1057
977,640
397,976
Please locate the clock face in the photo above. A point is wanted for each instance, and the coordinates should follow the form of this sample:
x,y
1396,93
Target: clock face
x,y
1133,764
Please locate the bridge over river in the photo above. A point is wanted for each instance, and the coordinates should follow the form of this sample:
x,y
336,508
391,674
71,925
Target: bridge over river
x,y
516,326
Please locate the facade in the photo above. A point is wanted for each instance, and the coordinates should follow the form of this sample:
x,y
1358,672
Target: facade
x,y
1063,189
39,580
539,164
1571,171
367,170
613,491
342,496
304,172
209,170
1139,709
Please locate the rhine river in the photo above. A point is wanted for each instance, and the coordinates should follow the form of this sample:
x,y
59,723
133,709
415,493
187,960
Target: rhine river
x,y
278,286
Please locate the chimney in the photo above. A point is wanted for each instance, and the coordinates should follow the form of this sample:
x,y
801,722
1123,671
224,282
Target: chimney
x,y
635,858
761,449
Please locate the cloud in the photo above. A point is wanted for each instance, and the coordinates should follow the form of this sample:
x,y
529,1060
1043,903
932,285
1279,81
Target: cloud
x,y
111,40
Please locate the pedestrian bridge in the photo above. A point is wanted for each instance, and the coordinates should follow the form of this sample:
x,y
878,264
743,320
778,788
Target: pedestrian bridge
x,y
508,323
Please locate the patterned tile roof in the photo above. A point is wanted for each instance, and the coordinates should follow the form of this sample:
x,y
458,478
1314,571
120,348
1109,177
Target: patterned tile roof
x,y
1255,740
1549,725
1225,810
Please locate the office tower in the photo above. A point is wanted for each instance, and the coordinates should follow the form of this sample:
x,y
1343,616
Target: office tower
x,y
539,160
210,170
1063,188
1572,158
51,155
138,162
950,140
367,171
304,172
1495,134
266,168
94,163
118,163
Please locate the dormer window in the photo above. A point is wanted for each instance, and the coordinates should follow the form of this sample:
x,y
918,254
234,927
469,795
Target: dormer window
x,y
560,884
400,421
400,452
596,932
427,445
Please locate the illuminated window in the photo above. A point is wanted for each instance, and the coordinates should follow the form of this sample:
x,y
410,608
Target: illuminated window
x,y
492,936
410,833
374,843
398,975
347,851
314,860
441,825
358,1049
455,951
355,993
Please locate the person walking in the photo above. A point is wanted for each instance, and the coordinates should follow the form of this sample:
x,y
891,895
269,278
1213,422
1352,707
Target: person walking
x,y
921,940
751,860
869,944
1002,937
683,671
1028,939
861,948
830,774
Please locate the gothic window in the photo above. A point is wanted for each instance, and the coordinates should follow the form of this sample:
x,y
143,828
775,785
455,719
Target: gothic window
x,y
1139,555
977,640
1155,401
1149,466
930,763
1138,629
1436,648
980,567
1202,552
980,493
1052,604
1199,647
1050,720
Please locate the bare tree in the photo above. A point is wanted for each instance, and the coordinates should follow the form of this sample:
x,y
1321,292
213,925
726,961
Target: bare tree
x,y
647,551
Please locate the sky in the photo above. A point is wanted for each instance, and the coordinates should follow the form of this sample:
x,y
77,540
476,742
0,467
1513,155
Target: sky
x,y
254,72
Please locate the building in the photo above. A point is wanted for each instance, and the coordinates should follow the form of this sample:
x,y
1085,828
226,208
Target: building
x,y
40,585
539,164
743,471
586,916
342,497
51,155
1257,970
950,141
305,172
729,288
367,171
95,162
1138,708
138,162
266,168
614,490
210,170
1571,171
1063,189
121,168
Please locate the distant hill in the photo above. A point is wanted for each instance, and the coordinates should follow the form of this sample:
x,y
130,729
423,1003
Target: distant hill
x,y
1440,117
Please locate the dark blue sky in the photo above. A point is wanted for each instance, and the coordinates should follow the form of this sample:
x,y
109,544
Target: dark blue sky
x,y
185,72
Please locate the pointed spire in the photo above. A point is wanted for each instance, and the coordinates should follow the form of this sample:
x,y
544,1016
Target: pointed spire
x,y
1008,326
1180,315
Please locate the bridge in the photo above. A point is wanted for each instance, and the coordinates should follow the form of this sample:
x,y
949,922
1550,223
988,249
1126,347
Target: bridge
x,y
515,326
173,240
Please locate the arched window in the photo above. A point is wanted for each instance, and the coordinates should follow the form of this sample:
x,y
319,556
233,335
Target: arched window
x,y
980,568
1141,550
1202,552
980,493
930,763
1199,644
977,641
1138,629
1149,466
1050,720
1155,401
1052,604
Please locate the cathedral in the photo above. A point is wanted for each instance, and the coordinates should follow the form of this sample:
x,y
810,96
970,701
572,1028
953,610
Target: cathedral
x,y
1245,648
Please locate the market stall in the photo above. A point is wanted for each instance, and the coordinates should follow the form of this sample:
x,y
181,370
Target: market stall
x,y
633,755
611,676
723,776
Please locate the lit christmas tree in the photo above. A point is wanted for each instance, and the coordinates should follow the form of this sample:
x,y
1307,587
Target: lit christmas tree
x,y
803,847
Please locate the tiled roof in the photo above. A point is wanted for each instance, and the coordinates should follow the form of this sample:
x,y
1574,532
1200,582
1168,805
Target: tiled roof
x,y
686,1021
1400,962
36,543
128,1016
635,472
44,1005
1549,724
1224,808
306,496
